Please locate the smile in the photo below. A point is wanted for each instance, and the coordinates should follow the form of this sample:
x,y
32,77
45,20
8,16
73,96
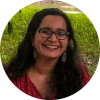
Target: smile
x,y
51,46
54,47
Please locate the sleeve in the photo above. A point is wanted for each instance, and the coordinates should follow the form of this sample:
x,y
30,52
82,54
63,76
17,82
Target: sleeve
x,y
86,76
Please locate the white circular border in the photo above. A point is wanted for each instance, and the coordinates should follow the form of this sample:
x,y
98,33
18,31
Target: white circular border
x,y
8,8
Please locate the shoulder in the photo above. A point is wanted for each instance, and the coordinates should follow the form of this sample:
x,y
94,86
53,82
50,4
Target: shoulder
x,y
24,84
86,76
21,82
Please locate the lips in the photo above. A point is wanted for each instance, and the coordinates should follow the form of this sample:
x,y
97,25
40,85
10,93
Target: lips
x,y
52,46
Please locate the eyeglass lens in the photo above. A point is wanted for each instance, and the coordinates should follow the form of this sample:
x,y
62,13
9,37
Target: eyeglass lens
x,y
46,33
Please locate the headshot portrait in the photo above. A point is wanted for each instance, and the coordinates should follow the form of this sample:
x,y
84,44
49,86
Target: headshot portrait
x,y
49,50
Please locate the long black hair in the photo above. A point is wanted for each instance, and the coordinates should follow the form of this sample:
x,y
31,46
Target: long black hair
x,y
66,76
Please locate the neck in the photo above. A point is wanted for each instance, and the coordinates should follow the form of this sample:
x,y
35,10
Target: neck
x,y
44,66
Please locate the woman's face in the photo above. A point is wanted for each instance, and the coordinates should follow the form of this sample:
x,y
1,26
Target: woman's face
x,y
51,47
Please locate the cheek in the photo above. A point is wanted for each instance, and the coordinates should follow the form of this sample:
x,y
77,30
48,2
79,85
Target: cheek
x,y
64,44
38,41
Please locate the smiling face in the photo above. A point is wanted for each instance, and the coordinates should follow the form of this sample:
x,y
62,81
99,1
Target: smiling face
x,y
51,47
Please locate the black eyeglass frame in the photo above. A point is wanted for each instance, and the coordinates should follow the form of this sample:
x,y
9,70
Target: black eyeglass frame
x,y
53,33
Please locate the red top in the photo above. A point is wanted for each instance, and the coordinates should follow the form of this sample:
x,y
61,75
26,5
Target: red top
x,y
26,85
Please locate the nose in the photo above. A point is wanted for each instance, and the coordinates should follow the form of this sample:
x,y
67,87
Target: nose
x,y
53,38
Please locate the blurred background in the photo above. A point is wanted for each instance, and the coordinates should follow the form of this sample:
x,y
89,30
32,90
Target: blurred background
x,y
85,33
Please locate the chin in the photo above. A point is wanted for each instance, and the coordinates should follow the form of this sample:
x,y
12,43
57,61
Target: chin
x,y
52,57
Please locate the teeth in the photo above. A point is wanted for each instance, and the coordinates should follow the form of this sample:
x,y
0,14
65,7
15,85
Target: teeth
x,y
54,47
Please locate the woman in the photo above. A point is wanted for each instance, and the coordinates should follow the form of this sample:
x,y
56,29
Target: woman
x,y
47,65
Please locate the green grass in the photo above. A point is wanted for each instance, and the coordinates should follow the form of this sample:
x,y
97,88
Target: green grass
x,y
85,34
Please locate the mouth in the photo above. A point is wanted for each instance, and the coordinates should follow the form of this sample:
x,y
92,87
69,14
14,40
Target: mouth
x,y
52,46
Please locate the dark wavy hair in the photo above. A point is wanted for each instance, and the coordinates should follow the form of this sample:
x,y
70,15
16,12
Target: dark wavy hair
x,y
66,76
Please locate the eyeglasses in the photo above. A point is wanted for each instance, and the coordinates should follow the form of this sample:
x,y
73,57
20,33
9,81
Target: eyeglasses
x,y
47,33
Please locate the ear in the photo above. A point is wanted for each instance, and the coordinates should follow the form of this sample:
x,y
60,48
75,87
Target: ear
x,y
33,44
32,40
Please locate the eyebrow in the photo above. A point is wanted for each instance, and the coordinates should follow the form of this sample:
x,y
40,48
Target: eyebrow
x,y
56,29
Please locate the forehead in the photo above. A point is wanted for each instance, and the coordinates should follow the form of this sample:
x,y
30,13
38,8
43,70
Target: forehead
x,y
53,22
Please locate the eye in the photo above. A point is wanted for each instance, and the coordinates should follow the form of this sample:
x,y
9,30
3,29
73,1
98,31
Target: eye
x,y
49,32
44,31
61,33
